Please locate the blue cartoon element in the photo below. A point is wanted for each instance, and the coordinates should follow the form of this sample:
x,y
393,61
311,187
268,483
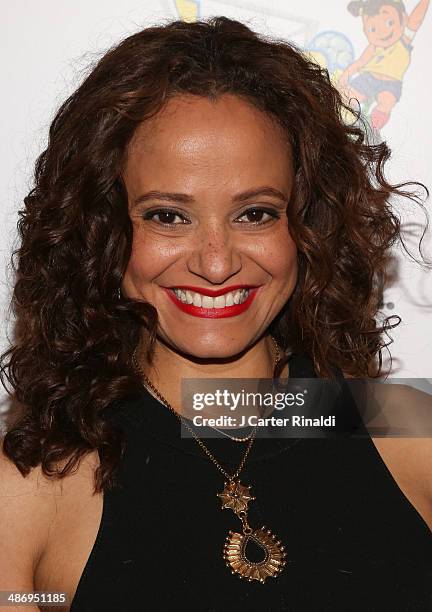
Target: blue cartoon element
x,y
376,77
334,48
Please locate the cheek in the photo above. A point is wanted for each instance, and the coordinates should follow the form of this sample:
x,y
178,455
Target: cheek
x,y
286,260
286,264
142,259
150,255
278,255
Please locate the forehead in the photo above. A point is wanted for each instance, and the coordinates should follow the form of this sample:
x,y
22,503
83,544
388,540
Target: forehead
x,y
192,129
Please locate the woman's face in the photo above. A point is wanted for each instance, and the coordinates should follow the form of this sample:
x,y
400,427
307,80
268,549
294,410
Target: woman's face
x,y
208,185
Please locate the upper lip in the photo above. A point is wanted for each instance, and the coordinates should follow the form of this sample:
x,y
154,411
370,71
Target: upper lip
x,y
212,292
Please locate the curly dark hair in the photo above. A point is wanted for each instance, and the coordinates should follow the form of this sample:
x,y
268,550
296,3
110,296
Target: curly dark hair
x,y
71,355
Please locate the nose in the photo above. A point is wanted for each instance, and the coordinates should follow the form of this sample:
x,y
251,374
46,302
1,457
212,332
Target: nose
x,y
215,255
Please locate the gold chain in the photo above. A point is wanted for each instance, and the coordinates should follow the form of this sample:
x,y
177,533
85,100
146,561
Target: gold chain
x,y
202,445
248,437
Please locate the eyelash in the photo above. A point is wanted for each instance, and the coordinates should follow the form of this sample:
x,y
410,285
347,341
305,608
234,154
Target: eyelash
x,y
148,216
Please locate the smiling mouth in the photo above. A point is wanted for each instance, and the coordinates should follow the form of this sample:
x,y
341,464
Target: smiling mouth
x,y
238,296
228,304
386,38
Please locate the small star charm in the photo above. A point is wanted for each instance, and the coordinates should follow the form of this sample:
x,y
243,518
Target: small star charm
x,y
235,496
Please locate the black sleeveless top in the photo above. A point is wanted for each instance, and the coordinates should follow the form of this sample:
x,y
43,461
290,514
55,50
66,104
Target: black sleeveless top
x,y
353,540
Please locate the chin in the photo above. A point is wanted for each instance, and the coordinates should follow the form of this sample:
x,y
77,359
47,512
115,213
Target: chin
x,y
209,349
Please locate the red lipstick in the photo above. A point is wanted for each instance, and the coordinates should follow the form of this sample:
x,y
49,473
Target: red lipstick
x,y
213,313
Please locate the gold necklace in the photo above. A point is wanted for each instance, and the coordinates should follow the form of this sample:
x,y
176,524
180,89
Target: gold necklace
x,y
236,497
248,437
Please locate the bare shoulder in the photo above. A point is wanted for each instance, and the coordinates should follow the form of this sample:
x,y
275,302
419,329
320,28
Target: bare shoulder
x,y
409,460
26,508
26,503
403,415
30,509
411,457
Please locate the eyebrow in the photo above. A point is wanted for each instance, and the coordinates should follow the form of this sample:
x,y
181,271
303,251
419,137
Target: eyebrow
x,y
187,199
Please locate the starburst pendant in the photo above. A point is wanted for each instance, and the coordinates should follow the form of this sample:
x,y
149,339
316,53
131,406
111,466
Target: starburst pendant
x,y
234,554
236,497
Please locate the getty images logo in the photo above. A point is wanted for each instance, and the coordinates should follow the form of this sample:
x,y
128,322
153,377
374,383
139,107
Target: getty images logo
x,y
227,399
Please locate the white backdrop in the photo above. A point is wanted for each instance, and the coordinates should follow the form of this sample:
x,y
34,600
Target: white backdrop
x,y
48,47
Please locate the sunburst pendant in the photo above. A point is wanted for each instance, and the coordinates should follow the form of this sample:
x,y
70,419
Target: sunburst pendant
x,y
236,496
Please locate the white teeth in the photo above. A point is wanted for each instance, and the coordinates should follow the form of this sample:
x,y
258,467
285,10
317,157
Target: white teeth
x,y
205,301
229,300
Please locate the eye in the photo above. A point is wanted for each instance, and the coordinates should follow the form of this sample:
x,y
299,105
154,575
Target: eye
x,y
390,22
372,29
166,216
257,214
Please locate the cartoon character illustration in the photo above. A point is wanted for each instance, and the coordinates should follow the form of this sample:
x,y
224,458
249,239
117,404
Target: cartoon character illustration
x,y
381,67
188,10
332,50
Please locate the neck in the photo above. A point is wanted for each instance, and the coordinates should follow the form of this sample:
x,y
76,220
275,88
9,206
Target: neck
x,y
169,368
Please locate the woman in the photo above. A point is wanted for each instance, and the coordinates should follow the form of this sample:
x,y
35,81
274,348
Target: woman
x,y
201,211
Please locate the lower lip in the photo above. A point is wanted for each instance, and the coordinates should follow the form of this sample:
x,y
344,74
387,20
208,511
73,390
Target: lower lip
x,y
213,313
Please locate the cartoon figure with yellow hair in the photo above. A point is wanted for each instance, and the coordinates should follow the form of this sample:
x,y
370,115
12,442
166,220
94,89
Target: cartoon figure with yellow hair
x,y
377,75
